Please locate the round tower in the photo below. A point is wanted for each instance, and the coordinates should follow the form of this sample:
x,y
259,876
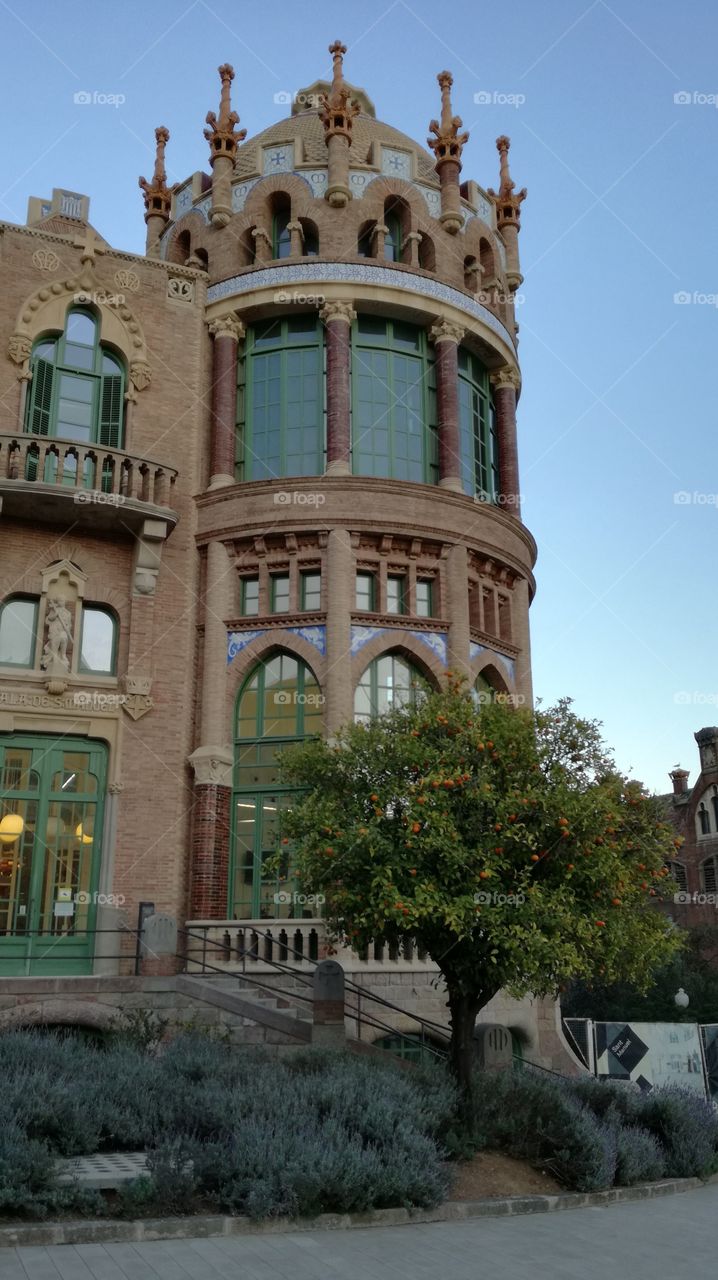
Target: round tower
x,y
358,516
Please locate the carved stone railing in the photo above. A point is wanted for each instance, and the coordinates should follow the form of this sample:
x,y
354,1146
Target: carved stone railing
x,y
254,945
75,469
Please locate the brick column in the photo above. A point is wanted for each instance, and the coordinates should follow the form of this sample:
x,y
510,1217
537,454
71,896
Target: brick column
x,y
339,594
227,332
457,600
337,318
446,337
212,761
505,382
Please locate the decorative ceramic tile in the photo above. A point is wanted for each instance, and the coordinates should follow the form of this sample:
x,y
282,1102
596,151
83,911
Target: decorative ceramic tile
x,y
313,635
183,200
358,181
240,193
362,636
203,207
238,640
509,665
317,179
395,164
278,159
433,199
435,640
350,273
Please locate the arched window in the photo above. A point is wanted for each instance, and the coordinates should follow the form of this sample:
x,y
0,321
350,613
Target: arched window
x,y
388,681
311,237
280,400
392,237
709,875
77,388
427,253
18,631
679,873
704,819
98,641
393,402
478,444
279,704
714,806
484,690
281,235
365,240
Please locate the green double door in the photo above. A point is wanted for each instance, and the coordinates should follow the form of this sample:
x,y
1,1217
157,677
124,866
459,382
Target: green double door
x,y
51,806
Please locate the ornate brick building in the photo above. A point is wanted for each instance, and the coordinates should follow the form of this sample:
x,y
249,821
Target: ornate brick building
x,y
253,483
694,813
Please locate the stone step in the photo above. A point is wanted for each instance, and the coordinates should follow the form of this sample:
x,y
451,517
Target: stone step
x,y
250,1003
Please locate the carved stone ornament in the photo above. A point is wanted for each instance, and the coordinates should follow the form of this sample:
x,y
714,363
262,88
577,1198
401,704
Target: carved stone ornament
x,y
229,326
505,377
213,766
180,290
45,260
59,636
336,310
136,705
19,348
129,280
140,374
445,331
136,684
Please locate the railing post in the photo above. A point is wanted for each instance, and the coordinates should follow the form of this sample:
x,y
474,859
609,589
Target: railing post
x,y
328,1010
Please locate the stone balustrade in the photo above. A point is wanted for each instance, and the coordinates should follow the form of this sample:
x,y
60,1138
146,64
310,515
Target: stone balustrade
x,y
255,945
83,473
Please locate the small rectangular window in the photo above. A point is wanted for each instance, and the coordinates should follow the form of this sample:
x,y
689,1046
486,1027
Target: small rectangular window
x,y
280,593
250,597
365,592
18,629
424,602
395,594
311,596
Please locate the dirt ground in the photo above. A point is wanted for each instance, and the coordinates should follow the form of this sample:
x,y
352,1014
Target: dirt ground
x,y
491,1174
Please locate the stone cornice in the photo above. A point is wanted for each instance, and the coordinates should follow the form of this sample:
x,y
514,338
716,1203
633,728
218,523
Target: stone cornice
x,y
192,273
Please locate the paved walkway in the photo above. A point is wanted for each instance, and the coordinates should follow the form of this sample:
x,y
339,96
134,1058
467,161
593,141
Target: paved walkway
x,y
649,1240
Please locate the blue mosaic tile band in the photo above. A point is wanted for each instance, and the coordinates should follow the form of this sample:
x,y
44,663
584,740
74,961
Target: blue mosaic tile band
x,y
436,641
508,664
316,636
238,640
348,273
362,635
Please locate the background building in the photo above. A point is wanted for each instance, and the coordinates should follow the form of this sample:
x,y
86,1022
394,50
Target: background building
x,y
253,484
694,813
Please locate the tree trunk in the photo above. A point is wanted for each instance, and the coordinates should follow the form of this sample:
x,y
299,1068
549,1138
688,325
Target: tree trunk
x,y
464,1009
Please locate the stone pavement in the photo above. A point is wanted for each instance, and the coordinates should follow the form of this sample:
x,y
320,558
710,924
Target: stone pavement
x,y
672,1238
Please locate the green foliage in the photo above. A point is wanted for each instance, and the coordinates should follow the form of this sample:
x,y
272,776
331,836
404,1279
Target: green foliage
x,y
404,821
141,1028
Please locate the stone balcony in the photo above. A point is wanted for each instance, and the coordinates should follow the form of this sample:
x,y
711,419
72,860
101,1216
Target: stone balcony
x,y
256,946
64,481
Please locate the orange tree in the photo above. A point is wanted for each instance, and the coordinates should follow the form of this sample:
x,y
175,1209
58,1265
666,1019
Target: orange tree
x,y
502,840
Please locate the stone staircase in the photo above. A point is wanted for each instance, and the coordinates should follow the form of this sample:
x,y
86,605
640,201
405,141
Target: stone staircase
x,y
251,1003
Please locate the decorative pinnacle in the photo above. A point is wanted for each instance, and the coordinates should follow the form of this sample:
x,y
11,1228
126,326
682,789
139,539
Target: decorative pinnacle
x,y
337,109
508,200
222,135
157,194
448,143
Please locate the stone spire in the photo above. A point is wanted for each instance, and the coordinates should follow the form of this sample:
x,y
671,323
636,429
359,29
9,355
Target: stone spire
x,y
157,196
447,145
223,138
337,112
508,203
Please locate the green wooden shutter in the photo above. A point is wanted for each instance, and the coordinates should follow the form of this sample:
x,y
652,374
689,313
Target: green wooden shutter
x,y
40,400
110,424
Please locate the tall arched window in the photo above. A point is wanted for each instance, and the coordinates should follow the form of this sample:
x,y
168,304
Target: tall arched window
x,y
477,429
392,237
77,388
280,400
388,681
704,819
281,235
393,402
709,875
279,704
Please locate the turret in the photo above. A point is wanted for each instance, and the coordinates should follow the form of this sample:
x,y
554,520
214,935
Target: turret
x,y
508,203
337,112
157,196
223,138
447,145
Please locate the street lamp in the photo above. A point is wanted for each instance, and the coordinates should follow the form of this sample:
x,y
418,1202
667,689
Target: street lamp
x,y
682,998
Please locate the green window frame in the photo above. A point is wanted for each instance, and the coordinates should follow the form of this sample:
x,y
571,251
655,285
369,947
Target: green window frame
x,y
279,592
18,622
280,400
394,432
77,389
281,235
395,593
310,590
365,592
389,681
424,598
278,705
392,238
478,444
98,651
250,597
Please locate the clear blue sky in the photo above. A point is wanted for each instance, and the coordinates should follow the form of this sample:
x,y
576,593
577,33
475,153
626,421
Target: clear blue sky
x,y
618,412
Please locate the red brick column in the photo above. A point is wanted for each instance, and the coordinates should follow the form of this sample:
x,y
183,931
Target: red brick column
x,y
227,332
446,337
210,835
338,317
505,383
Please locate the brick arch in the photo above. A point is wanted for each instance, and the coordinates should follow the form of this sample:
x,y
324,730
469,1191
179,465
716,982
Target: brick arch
x,y
45,312
415,651
265,647
195,226
299,191
59,1012
487,665
382,188
30,584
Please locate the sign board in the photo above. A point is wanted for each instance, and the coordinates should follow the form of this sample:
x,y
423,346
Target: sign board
x,y
651,1054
